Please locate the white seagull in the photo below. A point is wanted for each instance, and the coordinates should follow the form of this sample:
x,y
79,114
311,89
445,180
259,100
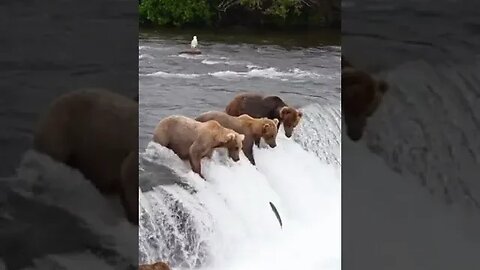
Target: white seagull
x,y
194,42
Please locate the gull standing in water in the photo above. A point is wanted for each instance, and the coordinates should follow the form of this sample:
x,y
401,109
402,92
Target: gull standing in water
x,y
194,42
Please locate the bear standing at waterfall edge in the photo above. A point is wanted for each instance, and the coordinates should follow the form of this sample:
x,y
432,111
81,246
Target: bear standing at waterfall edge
x,y
361,96
95,131
258,106
252,128
192,140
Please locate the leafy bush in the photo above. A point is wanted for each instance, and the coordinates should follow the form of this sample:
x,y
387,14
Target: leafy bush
x,y
175,12
256,12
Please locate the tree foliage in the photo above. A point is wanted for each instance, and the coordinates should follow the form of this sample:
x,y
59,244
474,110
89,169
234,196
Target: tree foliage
x,y
241,12
175,12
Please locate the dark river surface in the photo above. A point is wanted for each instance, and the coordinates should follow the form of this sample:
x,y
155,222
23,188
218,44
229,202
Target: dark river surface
x,y
49,49
301,68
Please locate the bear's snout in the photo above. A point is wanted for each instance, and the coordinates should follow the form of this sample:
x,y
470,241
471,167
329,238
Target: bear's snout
x,y
355,127
354,135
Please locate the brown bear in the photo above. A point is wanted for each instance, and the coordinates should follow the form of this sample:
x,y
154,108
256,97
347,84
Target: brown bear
x,y
252,128
96,132
192,140
361,96
259,106
154,266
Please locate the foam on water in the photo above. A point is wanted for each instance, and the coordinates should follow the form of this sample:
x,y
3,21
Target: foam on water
x,y
400,221
172,75
226,222
145,56
419,94
225,62
325,142
252,66
188,56
271,73
212,62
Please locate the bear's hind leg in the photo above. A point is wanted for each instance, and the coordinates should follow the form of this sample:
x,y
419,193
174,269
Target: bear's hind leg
x,y
50,139
161,139
129,187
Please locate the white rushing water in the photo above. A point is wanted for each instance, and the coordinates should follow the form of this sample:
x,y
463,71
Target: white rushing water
x,y
427,127
226,222
415,198
89,225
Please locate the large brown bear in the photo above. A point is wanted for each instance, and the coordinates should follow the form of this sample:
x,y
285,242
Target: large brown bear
x,y
259,106
95,131
192,140
252,128
361,96
154,266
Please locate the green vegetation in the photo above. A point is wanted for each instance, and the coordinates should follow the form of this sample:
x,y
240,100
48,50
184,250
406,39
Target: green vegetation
x,y
246,13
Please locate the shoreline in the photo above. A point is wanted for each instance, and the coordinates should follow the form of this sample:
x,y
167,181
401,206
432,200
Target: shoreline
x,y
293,38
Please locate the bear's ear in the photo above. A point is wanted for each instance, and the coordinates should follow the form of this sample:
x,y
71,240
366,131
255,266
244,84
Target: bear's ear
x,y
242,137
300,114
264,128
283,111
230,137
276,121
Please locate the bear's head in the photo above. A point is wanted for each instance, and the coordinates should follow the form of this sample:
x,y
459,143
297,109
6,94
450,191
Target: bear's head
x,y
233,141
361,96
268,130
290,118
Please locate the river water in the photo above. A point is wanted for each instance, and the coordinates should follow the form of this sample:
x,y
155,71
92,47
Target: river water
x,y
428,124
422,211
49,49
226,222
173,83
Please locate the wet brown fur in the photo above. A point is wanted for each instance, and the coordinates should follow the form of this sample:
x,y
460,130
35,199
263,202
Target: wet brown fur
x,y
252,128
361,96
96,132
192,140
258,106
154,266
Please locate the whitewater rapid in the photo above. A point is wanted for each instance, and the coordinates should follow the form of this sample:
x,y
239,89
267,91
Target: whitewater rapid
x,y
411,188
427,127
226,222
48,206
